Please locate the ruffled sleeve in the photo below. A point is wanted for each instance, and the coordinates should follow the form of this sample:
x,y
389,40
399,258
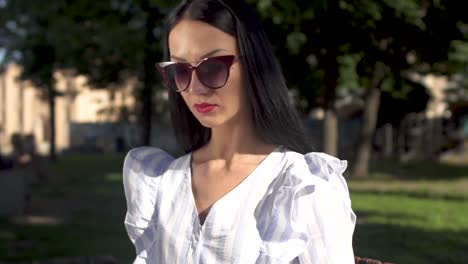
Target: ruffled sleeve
x,y
141,179
331,222
310,219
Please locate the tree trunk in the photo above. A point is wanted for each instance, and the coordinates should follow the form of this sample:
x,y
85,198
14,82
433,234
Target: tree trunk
x,y
330,126
361,161
21,108
149,70
331,67
51,100
3,73
330,130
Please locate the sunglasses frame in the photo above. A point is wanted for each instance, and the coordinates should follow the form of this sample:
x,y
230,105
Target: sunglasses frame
x,y
162,65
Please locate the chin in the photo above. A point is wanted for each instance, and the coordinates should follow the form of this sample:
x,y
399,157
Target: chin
x,y
209,123
212,121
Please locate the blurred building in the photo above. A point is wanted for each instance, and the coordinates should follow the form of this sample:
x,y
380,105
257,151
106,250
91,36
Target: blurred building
x,y
24,110
90,119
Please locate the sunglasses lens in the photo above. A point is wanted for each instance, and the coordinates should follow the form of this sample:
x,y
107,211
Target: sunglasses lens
x,y
178,76
213,73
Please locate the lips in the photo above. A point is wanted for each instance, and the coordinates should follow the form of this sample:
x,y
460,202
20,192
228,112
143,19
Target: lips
x,y
205,107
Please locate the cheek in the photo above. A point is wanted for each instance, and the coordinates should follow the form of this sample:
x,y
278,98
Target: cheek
x,y
184,96
238,89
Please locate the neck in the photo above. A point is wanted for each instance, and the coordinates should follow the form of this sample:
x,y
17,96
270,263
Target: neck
x,y
229,140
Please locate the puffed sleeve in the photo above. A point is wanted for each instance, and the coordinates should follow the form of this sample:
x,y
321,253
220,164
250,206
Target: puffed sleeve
x,y
326,212
141,179
309,217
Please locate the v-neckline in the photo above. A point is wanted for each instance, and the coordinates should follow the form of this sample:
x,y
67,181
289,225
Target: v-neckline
x,y
226,195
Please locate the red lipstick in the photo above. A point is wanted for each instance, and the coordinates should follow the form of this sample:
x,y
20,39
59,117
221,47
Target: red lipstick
x,y
205,108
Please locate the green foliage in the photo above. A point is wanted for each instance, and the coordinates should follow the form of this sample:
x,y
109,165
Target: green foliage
x,y
386,31
108,41
104,40
459,52
349,78
27,36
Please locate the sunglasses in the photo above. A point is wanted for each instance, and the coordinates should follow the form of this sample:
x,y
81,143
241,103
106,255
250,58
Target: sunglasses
x,y
213,72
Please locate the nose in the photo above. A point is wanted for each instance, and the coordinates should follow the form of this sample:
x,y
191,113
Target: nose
x,y
196,86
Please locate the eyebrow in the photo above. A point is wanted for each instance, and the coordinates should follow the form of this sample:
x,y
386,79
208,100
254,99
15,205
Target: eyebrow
x,y
202,57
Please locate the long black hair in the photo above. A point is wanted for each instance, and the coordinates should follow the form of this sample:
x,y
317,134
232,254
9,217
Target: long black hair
x,y
274,118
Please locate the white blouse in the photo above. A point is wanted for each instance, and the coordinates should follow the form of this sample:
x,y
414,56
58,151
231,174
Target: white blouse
x,y
292,208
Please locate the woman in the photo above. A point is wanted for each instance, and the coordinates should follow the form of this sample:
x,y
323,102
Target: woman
x,y
247,190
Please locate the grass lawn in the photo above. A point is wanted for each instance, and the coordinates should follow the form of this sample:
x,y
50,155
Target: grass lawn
x,y
85,199
414,213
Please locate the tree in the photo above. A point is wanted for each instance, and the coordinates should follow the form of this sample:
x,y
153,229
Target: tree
x,y
107,41
384,35
313,31
417,24
126,41
30,40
